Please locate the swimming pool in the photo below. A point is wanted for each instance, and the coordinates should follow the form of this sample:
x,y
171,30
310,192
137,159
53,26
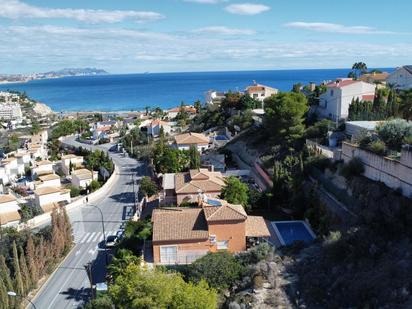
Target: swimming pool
x,y
214,202
290,231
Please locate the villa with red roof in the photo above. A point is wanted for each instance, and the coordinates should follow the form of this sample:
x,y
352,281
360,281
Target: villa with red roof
x,y
334,103
182,235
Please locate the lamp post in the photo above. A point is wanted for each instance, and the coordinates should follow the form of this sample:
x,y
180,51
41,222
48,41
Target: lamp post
x,y
14,294
104,234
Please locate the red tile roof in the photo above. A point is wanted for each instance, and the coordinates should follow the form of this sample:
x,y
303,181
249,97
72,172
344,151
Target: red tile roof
x,y
342,83
368,97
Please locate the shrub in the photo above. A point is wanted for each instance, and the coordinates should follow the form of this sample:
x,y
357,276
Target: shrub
x,y
74,191
394,131
148,187
377,147
94,185
353,168
254,255
220,270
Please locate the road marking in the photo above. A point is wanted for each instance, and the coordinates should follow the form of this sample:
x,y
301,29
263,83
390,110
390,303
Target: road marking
x,y
91,236
84,238
97,237
77,252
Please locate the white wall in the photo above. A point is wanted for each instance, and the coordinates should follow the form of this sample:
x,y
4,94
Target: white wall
x,y
56,197
335,101
395,174
200,148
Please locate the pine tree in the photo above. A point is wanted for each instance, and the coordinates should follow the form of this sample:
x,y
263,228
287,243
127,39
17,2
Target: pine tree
x,y
18,278
24,272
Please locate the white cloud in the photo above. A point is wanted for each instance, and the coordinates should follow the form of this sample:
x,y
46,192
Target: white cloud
x,y
247,8
222,30
15,9
335,28
25,49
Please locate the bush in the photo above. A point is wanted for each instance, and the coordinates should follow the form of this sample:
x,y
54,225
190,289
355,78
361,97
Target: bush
x,y
254,255
377,147
394,131
148,187
220,270
102,302
74,191
353,168
94,185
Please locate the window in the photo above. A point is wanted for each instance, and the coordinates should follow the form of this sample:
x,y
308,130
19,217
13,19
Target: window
x,y
168,254
212,239
222,245
326,103
331,92
255,95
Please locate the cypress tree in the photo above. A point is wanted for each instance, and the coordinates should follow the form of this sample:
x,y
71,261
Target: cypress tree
x,y
4,298
25,272
18,278
5,274
31,261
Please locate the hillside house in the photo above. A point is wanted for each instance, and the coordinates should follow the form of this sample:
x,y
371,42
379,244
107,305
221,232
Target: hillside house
x,y
401,78
187,187
83,177
334,103
50,197
186,140
76,162
9,210
182,235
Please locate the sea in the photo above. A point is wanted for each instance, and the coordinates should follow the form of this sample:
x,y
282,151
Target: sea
x,y
133,92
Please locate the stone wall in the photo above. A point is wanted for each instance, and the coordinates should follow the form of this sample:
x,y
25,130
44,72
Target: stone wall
x,y
396,174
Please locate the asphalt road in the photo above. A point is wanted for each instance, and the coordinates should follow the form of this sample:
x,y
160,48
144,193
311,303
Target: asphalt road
x,y
70,286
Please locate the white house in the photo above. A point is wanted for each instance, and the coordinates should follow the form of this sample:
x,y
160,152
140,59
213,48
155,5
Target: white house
x,y
213,99
260,92
172,113
49,197
43,167
50,180
186,140
153,128
9,210
9,169
76,161
334,103
11,111
83,177
401,78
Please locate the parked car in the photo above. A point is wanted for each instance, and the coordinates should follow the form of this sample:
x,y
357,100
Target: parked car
x,y
111,241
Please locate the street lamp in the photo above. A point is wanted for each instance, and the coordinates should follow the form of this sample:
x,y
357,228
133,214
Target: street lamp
x,y
14,294
104,234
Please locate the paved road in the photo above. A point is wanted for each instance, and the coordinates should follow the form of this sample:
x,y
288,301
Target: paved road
x,y
69,286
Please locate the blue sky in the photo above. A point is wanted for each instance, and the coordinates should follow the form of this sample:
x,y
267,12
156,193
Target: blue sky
x,y
126,36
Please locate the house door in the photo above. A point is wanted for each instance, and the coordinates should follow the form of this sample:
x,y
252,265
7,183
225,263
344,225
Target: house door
x,y
168,255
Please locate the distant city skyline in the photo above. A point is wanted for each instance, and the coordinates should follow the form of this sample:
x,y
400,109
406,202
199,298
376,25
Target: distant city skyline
x,y
133,36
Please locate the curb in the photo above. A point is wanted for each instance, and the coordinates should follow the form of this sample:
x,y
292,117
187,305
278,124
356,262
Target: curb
x,y
40,289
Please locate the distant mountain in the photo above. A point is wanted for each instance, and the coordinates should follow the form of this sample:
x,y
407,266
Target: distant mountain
x,y
72,72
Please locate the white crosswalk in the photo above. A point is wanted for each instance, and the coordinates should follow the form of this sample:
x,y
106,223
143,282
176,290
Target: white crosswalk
x,y
92,237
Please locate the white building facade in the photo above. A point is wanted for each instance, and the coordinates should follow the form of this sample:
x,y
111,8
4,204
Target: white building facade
x,y
334,103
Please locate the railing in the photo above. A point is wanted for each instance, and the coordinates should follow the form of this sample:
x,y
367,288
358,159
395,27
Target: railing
x,y
181,258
